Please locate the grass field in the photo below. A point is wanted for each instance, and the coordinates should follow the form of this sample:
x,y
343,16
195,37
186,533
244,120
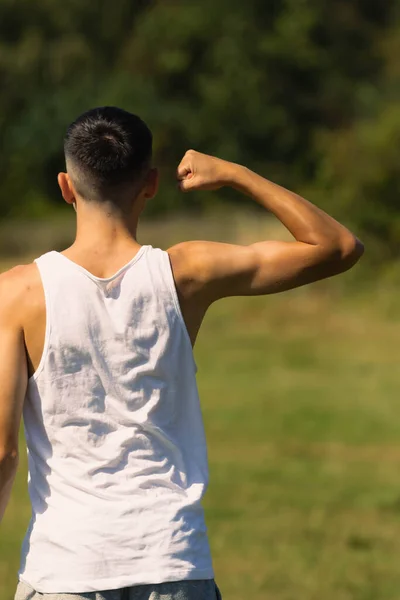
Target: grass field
x,y
300,394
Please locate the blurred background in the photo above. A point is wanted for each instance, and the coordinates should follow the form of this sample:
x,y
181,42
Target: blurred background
x,y
300,391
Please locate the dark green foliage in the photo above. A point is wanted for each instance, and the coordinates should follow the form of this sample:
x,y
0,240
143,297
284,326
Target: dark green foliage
x,y
304,91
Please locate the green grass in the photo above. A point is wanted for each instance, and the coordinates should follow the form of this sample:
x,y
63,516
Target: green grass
x,y
301,410
301,402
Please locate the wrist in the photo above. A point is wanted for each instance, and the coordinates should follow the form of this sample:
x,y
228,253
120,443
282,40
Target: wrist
x,y
233,174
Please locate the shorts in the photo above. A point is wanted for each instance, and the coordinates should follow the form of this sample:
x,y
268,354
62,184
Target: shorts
x,y
174,590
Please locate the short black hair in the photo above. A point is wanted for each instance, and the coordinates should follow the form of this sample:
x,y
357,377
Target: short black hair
x,y
108,151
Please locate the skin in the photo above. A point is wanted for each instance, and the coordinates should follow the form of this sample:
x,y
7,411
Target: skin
x,y
204,271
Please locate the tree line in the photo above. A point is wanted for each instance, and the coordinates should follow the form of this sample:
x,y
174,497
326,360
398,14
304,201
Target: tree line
x,y
304,91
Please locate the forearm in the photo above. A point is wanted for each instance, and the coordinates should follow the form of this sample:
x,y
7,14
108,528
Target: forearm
x,y
306,222
8,471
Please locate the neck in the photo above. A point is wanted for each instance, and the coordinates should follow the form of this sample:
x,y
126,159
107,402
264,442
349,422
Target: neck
x,y
104,229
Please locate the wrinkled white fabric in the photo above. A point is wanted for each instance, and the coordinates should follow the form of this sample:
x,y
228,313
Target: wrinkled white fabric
x,y
116,445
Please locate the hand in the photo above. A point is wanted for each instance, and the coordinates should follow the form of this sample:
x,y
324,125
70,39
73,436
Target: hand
x,y
199,171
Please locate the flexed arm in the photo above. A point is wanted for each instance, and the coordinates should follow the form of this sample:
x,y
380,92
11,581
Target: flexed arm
x,y
322,247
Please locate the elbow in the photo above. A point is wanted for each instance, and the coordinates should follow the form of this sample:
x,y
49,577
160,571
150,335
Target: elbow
x,y
347,253
342,255
351,251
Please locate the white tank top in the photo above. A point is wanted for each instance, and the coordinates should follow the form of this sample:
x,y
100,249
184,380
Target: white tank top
x,y
116,445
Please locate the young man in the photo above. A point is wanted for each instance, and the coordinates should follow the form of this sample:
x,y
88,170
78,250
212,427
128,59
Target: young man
x,y
96,349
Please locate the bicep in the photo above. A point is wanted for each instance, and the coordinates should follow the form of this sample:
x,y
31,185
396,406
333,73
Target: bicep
x,y
13,382
270,267
262,268
208,271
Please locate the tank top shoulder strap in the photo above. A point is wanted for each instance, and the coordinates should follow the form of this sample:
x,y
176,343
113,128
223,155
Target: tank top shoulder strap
x,y
52,268
160,265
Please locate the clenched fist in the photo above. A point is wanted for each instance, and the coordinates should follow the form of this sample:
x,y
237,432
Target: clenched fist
x,y
199,171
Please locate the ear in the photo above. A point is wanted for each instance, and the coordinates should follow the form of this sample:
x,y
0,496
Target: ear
x,y
151,187
66,187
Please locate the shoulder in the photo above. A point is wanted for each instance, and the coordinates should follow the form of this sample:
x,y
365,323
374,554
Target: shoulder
x,y
211,270
16,288
205,261
197,256
18,280
191,262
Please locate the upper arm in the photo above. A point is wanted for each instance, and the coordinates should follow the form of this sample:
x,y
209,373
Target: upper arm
x,y
13,363
216,270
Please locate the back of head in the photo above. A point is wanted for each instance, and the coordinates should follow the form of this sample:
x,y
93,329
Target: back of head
x,y
108,155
